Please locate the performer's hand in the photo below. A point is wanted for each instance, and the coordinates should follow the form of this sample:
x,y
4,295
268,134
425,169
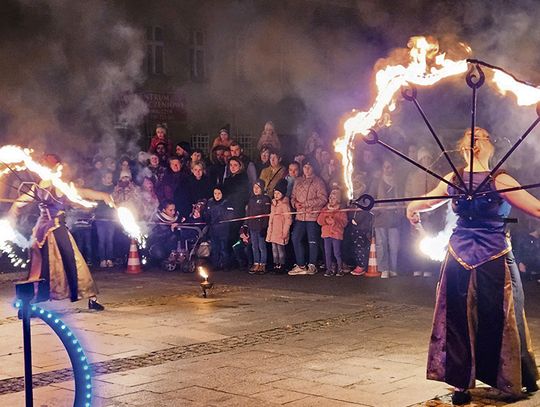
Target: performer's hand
x,y
413,216
108,199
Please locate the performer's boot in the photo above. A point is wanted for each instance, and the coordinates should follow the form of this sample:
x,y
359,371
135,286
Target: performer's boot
x,y
461,396
93,304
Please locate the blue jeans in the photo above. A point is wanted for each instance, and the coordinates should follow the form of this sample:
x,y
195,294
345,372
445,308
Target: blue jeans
x,y
332,246
387,245
313,232
258,244
83,238
105,238
219,254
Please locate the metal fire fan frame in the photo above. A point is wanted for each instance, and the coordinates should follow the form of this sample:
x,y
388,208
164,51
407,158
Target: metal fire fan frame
x,y
475,78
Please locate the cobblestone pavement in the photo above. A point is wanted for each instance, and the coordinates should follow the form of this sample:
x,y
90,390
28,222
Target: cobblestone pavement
x,y
256,341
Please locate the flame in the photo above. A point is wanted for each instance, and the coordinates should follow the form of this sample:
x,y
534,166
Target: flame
x,y
426,67
129,223
9,235
203,273
16,155
526,95
434,247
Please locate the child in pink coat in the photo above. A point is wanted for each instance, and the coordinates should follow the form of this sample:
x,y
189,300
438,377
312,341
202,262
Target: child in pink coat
x,y
279,225
333,222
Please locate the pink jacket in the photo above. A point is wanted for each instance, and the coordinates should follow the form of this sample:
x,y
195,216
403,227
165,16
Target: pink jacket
x,y
333,223
279,223
308,195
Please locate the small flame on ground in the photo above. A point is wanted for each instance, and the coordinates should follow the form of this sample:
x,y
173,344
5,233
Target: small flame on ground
x,y
203,273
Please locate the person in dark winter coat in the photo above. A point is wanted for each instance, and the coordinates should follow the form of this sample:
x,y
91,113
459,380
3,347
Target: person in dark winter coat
x,y
218,209
236,187
194,188
259,204
172,178
163,237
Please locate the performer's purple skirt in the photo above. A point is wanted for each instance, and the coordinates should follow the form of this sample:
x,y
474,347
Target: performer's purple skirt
x,y
479,327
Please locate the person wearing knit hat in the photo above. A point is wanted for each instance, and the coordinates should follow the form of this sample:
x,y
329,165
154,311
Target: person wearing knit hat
x,y
279,224
223,138
125,174
281,186
260,184
257,207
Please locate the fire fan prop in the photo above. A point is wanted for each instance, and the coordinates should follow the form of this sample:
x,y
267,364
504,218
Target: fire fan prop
x,y
427,66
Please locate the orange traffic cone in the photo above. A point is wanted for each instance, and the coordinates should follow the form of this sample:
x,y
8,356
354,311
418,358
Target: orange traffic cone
x,y
372,263
133,264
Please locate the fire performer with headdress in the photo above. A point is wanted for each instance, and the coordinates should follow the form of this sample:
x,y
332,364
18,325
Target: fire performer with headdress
x,y
55,257
479,327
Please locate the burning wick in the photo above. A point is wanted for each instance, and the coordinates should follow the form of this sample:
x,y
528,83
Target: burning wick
x,y
205,284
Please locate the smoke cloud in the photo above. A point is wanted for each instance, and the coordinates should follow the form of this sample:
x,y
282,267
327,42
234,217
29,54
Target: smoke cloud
x,y
69,71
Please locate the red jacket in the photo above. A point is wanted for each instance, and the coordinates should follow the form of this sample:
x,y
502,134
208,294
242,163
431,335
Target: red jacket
x,y
333,223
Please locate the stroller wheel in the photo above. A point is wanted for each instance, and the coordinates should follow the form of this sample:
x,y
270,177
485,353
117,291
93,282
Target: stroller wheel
x,y
169,266
191,267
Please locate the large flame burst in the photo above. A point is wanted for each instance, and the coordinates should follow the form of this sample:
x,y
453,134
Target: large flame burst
x,y
18,159
426,66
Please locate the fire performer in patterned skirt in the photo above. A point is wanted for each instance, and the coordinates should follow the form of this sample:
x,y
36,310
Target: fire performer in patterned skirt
x,y
54,255
479,327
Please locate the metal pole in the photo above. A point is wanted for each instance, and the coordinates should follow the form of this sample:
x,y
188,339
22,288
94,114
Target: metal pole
x,y
24,291
27,344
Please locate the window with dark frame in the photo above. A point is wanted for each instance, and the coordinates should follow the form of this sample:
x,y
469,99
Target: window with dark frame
x,y
154,51
197,51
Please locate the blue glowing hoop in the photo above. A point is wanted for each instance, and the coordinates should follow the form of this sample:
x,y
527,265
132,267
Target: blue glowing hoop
x,y
79,361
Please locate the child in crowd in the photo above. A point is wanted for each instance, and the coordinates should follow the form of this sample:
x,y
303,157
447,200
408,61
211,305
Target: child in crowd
x,y
279,225
357,240
333,223
160,137
259,204
218,210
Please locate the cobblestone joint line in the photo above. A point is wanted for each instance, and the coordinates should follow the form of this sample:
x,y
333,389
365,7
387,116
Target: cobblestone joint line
x,y
154,358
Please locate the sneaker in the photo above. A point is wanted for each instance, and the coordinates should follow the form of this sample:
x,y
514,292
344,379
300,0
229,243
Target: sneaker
x,y
339,273
461,397
385,274
110,263
328,273
261,269
311,269
93,304
531,388
298,270
393,274
254,268
103,264
358,271
428,274
417,274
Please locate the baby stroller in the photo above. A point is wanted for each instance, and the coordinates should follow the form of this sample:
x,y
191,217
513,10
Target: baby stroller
x,y
191,249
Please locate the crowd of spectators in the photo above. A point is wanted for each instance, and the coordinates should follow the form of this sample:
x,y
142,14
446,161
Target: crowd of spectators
x,y
280,212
